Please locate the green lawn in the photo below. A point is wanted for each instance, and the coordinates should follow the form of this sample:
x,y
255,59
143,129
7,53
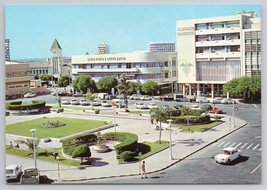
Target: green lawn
x,y
138,112
73,107
72,126
199,128
42,154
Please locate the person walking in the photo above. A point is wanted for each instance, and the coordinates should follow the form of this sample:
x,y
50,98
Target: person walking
x,y
143,170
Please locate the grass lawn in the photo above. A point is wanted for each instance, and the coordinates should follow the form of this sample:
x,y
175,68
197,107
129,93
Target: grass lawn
x,y
72,126
148,149
199,128
72,107
138,112
42,154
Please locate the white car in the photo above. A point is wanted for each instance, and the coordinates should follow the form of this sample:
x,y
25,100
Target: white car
x,y
96,103
202,100
65,102
140,105
13,172
227,101
151,105
145,98
74,102
195,107
216,100
105,103
84,103
227,155
29,95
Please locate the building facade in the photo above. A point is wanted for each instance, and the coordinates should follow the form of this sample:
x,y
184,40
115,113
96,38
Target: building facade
x,y
18,79
140,67
7,49
103,48
212,51
161,47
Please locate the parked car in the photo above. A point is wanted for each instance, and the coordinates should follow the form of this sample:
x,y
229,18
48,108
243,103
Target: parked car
x,y
202,100
78,95
145,98
84,102
74,102
105,103
195,107
180,98
29,95
65,102
118,103
62,93
13,172
30,176
95,103
216,100
165,106
227,155
177,106
151,105
216,110
140,105
227,101
135,97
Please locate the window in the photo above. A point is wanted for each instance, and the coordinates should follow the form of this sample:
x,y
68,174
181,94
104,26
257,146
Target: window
x,y
119,65
173,73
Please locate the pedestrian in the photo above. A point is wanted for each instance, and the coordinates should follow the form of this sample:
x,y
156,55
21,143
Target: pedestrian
x,y
11,145
143,170
17,145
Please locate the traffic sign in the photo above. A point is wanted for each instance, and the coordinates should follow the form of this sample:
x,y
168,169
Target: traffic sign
x,y
236,108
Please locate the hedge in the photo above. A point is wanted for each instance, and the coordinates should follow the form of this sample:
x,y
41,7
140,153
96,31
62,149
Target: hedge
x,y
16,105
69,145
192,119
128,141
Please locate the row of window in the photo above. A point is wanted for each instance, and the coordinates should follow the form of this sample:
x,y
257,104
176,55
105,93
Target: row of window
x,y
214,25
18,86
218,49
214,37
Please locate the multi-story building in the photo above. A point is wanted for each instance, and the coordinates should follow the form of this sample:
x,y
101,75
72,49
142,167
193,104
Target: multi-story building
x,y
161,47
18,79
212,51
7,49
56,57
140,67
103,48
41,68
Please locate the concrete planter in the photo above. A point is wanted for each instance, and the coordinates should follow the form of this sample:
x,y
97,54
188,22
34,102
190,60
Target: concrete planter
x,y
101,148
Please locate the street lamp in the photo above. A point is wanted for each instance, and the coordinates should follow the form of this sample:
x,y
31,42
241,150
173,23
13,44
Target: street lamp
x,y
170,120
58,172
34,151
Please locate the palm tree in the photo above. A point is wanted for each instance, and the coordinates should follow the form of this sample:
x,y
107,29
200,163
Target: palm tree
x,y
185,111
159,115
90,97
29,142
59,100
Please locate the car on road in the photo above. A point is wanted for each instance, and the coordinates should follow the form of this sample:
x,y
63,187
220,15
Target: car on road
x,y
177,106
84,102
195,107
165,106
227,155
65,102
13,172
105,103
145,98
227,101
95,102
74,102
215,110
30,176
140,105
151,105
216,100
202,100
135,97
29,95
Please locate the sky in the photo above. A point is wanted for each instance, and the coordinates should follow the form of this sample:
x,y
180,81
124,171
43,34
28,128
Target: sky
x,y
79,28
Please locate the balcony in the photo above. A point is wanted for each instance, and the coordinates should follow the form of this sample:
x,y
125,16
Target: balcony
x,y
117,70
217,31
218,55
218,43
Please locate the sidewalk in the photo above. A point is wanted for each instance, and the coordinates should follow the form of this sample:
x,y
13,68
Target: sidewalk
x,y
106,164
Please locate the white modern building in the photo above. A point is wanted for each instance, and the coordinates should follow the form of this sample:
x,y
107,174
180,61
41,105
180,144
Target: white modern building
x,y
140,67
161,47
103,48
212,51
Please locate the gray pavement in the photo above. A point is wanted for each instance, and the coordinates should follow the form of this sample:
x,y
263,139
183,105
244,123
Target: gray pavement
x,y
105,165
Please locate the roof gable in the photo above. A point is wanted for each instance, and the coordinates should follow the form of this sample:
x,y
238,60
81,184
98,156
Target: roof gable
x,y
55,45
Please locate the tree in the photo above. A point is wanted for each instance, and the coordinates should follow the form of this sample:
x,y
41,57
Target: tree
x,y
243,86
36,77
29,142
81,151
230,86
159,115
123,88
255,87
64,81
185,111
90,97
149,87
59,100
133,87
83,82
45,77
105,84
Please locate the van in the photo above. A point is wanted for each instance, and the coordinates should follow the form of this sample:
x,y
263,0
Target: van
x,y
103,96
179,98
118,103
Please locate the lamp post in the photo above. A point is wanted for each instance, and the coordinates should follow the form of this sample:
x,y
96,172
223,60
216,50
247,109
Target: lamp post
x,y
34,151
58,172
170,120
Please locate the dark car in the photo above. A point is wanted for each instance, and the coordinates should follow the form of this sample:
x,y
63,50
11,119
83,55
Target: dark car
x,y
177,106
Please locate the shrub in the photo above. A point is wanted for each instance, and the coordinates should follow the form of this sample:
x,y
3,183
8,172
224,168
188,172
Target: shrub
x,y
206,107
192,119
217,117
128,141
174,112
126,155
195,112
81,151
17,105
